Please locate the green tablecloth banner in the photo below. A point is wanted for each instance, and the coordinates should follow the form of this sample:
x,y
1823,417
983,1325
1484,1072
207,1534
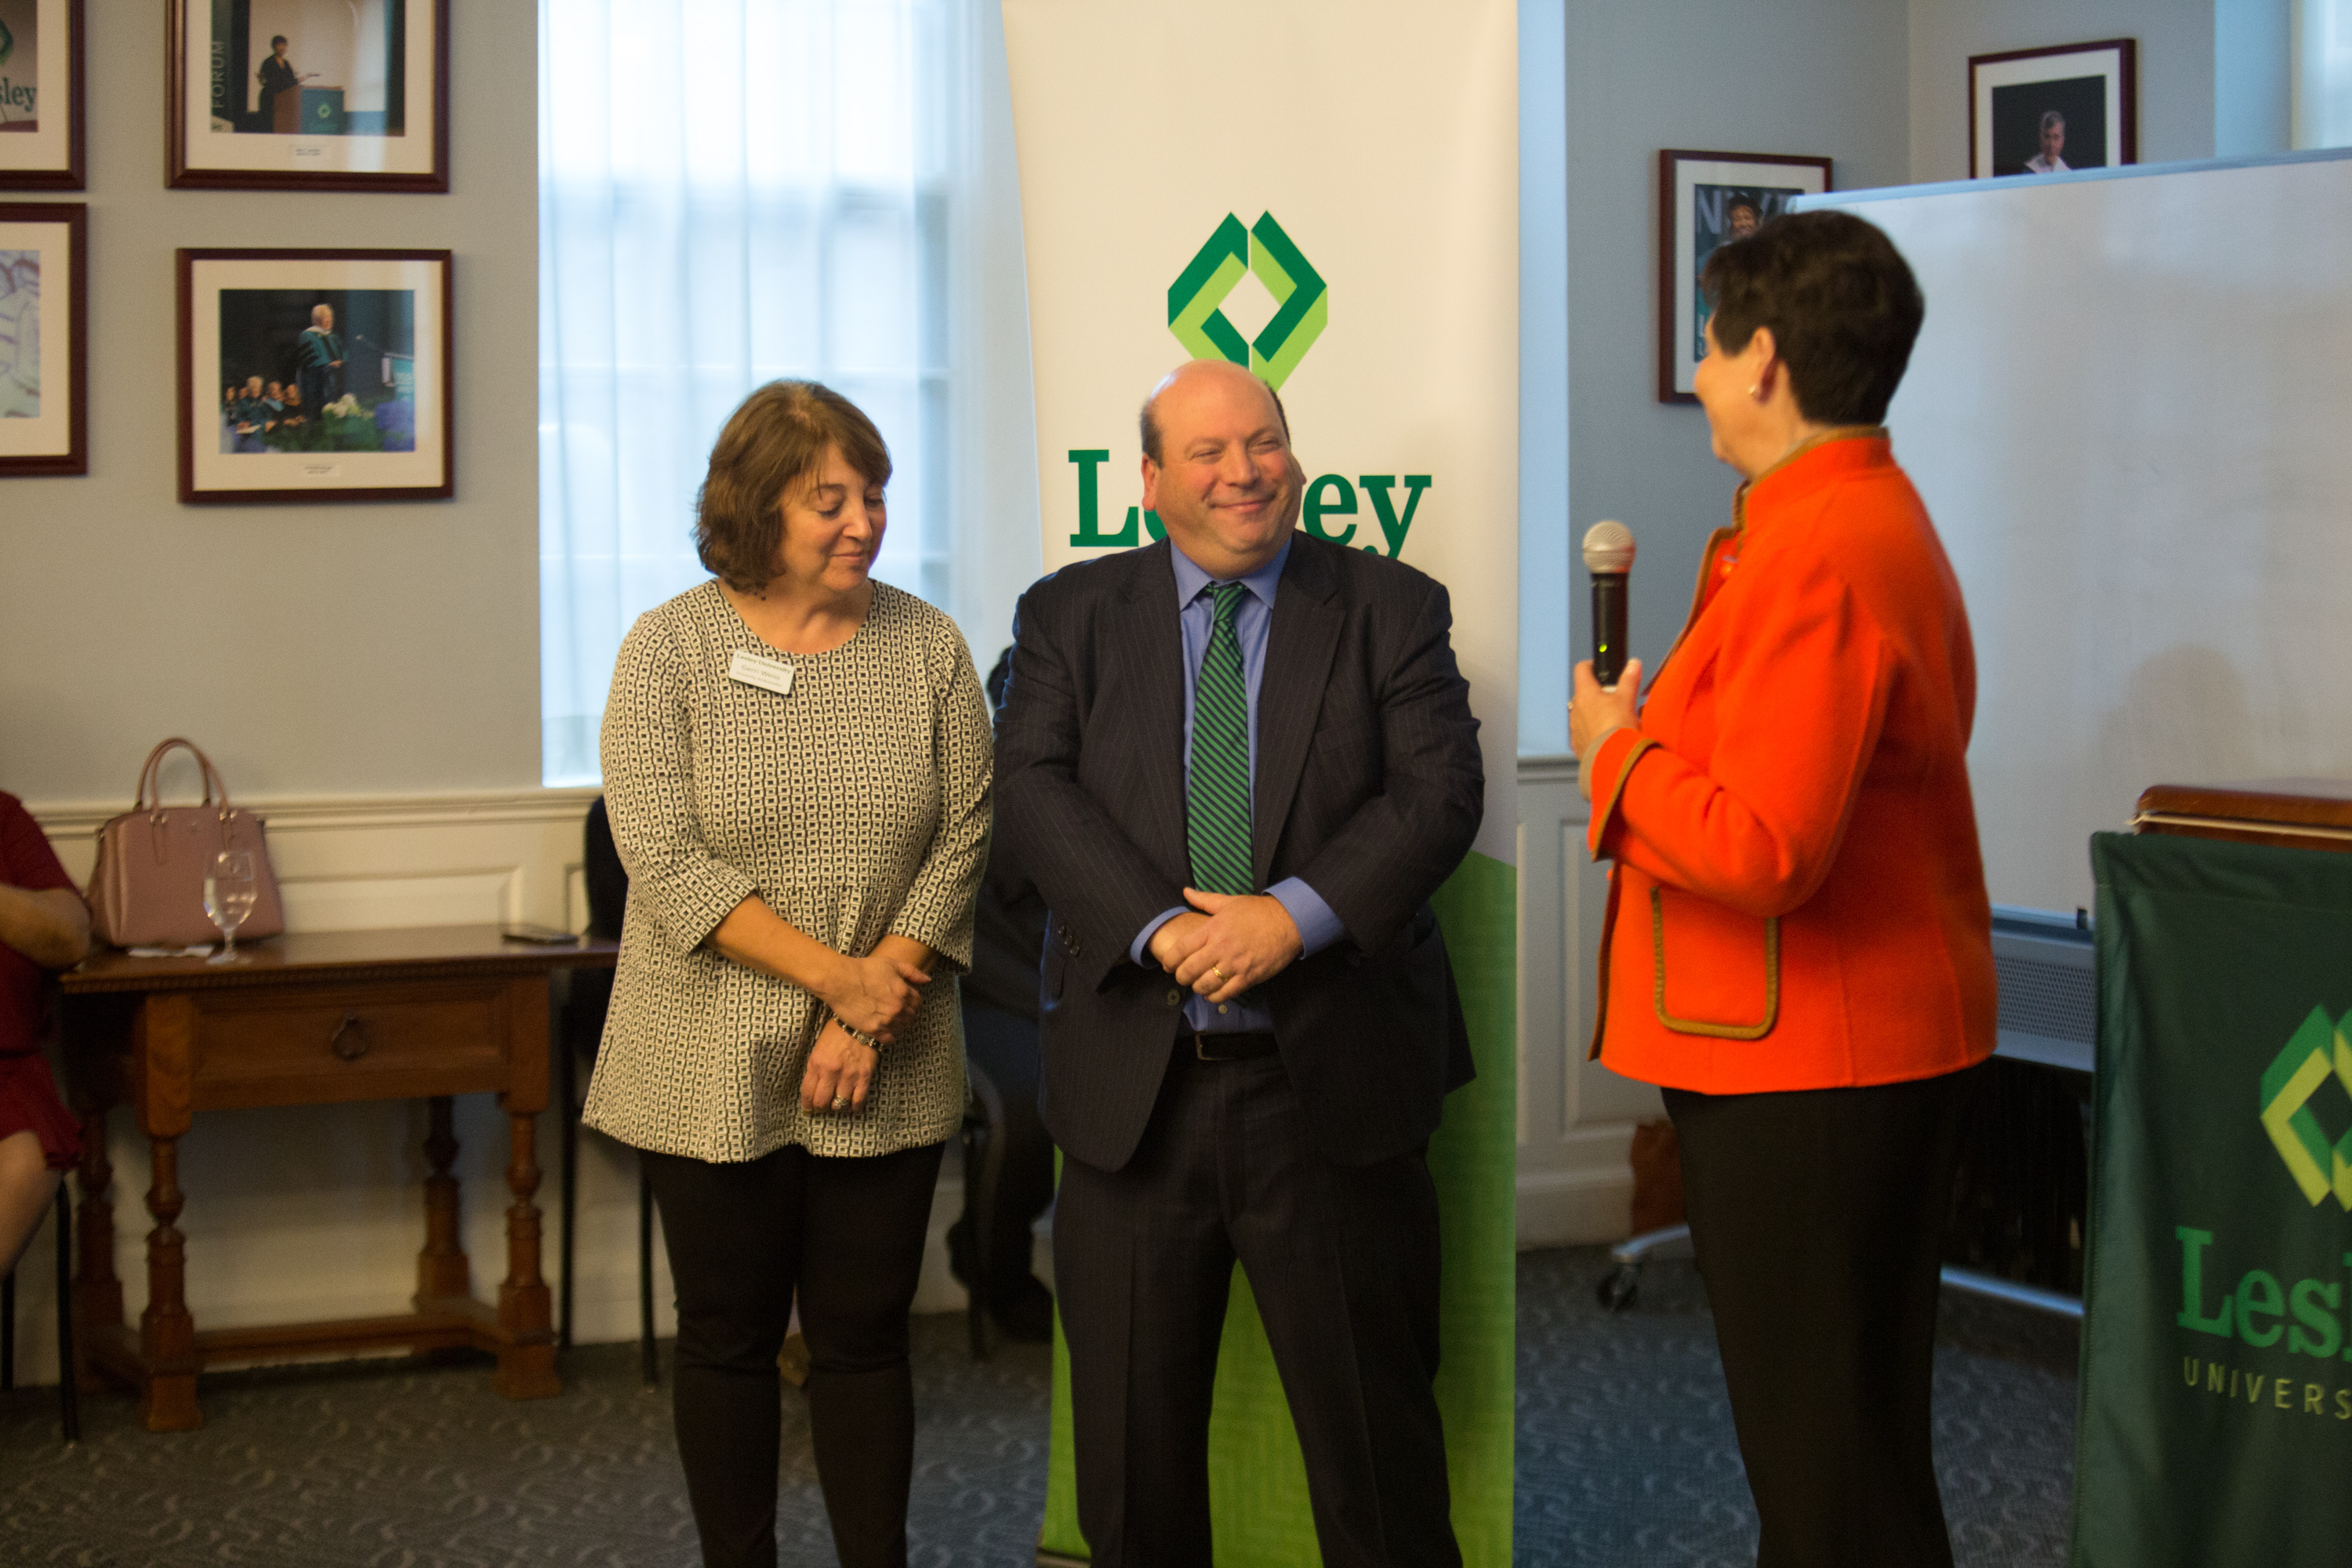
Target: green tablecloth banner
x,y
2216,1419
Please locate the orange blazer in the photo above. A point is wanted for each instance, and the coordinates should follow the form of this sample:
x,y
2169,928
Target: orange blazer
x,y
1798,899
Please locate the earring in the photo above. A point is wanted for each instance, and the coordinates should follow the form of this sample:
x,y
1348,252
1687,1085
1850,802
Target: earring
x,y
1752,389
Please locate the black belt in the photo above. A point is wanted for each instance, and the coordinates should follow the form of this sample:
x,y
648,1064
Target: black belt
x,y
1238,1045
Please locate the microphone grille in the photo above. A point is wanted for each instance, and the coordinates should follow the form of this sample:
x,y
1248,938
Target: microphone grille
x,y
1608,548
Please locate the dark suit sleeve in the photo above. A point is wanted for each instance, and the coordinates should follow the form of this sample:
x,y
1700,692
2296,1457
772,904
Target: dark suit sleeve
x,y
1101,888
1402,844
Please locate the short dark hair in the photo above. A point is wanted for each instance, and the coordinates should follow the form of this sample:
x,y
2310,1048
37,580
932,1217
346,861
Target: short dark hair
x,y
276,39
776,438
1840,301
1147,427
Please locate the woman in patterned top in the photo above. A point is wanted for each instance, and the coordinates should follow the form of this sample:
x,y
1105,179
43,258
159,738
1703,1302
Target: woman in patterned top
x,y
797,765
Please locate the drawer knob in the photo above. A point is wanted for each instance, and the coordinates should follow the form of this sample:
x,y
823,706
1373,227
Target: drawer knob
x,y
350,1041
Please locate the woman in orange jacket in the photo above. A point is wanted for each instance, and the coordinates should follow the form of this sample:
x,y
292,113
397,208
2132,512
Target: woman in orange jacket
x,y
1797,946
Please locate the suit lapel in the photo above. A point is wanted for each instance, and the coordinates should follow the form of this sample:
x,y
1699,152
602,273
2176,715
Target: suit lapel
x,y
1298,649
1150,647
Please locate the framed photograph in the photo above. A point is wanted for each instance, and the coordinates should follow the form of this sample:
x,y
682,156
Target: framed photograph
x,y
40,95
44,338
2044,111
308,95
1707,199
314,375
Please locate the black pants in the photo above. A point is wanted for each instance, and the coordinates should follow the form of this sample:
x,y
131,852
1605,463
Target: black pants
x,y
1819,1218
1004,1047
1343,1262
849,1234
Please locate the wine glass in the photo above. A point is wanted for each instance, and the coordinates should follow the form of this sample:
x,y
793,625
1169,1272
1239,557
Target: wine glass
x,y
229,892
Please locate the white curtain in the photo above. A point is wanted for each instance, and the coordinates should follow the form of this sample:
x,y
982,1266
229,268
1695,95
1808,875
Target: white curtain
x,y
733,190
2323,73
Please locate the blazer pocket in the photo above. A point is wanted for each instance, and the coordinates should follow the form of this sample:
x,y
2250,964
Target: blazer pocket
x,y
1715,972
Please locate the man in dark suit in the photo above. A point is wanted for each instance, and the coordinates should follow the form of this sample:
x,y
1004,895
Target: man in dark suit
x,y
1237,763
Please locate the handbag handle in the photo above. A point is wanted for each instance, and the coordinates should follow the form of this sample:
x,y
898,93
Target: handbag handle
x,y
150,789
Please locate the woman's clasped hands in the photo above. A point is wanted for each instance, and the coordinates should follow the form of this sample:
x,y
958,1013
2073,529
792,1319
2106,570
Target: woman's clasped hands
x,y
876,995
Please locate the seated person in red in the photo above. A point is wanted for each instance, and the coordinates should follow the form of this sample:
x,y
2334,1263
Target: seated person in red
x,y
44,925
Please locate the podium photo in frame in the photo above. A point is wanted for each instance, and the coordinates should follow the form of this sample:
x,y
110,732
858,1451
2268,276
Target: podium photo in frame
x,y
314,375
352,96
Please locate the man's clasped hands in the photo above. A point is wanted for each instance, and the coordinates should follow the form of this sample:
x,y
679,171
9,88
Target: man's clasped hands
x,y
1227,942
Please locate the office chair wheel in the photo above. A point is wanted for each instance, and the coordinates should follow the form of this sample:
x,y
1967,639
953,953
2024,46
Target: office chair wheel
x,y
1619,1288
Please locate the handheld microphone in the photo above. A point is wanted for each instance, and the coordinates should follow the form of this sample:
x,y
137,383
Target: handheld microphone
x,y
1609,557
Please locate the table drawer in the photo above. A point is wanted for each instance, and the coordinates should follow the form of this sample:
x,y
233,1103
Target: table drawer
x,y
311,1045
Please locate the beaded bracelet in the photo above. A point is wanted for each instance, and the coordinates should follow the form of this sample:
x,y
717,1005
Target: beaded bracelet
x,y
860,1035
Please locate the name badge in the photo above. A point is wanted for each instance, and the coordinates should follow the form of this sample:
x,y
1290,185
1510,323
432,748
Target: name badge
x,y
767,674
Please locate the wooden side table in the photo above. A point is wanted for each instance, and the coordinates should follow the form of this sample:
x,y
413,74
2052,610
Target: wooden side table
x,y
312,1020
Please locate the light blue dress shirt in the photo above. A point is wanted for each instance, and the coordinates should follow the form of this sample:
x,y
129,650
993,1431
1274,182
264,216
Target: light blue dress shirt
x,y
1319,928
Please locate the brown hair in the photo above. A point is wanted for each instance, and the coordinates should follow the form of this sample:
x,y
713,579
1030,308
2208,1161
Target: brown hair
x,y
775,439
1841,303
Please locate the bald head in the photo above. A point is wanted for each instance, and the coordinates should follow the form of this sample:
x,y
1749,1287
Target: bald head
x,y
1217,467
1233,375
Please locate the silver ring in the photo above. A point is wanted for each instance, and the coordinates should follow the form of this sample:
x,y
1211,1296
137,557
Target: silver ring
x,y
841,1102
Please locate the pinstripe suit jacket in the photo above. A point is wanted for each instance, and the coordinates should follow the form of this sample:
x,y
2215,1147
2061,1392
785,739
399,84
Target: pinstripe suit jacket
x,y
1369,787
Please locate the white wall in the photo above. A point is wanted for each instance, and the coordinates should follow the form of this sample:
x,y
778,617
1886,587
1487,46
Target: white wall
x,y
313,649
2176,69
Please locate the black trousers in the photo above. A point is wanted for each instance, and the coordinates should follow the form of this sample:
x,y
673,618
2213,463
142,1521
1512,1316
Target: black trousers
x,y
847,1234
1004,1046
1343,1262
1818,1216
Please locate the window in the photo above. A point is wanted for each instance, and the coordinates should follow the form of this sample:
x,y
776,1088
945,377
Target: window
x,y
2323,73
733,190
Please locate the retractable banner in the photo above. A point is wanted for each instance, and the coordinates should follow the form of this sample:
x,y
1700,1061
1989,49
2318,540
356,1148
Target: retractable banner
x,y
1325,191
2216,1421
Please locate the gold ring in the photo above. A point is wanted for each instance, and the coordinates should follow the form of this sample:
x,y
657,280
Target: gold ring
x,y
841,1102
1219,972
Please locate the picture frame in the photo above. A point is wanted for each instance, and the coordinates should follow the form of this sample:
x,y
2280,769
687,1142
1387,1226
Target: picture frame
x,y
44,338
41,64
1699,198
2091,92
315,375
247,108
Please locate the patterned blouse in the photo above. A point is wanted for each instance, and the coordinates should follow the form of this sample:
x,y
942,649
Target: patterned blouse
x,y
856,806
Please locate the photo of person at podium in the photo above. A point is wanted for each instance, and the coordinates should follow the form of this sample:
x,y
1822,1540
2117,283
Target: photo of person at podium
x,y
318,370
310,68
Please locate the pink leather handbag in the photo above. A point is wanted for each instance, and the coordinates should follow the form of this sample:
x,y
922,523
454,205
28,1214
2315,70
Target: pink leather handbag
x,y
148,888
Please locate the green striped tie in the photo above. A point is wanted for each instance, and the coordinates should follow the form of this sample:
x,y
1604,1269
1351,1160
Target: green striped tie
x,y
1218,798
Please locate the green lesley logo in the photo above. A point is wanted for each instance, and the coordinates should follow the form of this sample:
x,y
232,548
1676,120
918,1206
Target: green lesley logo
x,y
1332,505
2317,1053
1302,301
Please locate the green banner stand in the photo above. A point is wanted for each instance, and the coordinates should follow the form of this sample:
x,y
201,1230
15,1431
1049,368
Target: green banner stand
x,y
2215,1426
1257,1481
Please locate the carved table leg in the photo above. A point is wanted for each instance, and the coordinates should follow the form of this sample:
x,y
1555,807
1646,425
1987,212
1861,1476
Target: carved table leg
x,y
526,1362
97,1292
167,1335
441,1268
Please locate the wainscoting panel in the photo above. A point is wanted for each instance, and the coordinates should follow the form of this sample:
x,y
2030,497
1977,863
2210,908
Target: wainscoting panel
x,y
1576,1117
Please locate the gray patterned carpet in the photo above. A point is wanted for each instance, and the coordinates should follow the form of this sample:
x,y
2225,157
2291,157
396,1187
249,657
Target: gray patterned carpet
x,y
1626,1454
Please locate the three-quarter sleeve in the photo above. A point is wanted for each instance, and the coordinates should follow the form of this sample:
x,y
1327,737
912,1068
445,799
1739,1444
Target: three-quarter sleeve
x,y
938,909
648,746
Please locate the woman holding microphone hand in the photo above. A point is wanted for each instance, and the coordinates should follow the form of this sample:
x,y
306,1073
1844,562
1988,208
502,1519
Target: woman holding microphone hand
x,y
1797,947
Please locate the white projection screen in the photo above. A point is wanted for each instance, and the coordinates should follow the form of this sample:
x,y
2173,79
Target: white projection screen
x,y
2130,414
